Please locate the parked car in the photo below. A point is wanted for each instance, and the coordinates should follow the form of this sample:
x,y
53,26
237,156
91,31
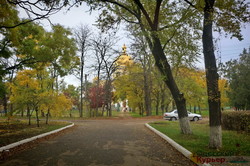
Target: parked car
x,y
173,116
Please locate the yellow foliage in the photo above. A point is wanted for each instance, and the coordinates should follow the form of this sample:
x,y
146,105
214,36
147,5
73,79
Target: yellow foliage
x,y
223,88
30,37
61,104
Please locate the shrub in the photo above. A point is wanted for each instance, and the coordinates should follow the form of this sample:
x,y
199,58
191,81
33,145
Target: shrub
x,y
236,120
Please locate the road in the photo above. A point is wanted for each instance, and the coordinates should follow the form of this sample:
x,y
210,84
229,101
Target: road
x,y
102,142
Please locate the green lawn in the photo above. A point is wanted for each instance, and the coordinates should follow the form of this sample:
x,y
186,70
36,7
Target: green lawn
x,y
234,144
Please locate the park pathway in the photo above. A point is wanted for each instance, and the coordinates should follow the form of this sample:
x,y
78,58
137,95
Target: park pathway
x,y
102,142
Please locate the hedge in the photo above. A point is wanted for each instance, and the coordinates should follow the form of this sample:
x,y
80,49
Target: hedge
x,y
236,120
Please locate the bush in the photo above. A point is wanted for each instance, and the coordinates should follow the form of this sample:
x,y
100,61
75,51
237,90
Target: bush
x,y
236,120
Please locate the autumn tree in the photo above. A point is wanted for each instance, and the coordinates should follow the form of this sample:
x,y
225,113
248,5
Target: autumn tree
x,y
128,86
96,97
72,93
26,92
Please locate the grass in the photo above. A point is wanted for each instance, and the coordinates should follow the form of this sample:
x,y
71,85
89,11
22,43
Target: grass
x,y
135,114
15,130
234,143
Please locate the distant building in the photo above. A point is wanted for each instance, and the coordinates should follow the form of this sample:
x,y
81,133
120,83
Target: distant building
x,y
122,62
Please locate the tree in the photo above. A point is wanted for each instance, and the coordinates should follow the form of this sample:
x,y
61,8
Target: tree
x,y
96,96
104,54
72,93
237,74
60,49
161,94
128,86
82,37
26,92
141,50
229,18
193,84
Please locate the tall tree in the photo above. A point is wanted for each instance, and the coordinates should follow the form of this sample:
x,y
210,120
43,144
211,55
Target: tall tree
x,y
103,46
60,50
82,36
227,16
141,53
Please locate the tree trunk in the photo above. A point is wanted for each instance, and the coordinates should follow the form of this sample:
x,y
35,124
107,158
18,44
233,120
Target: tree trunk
x,y
86,96
47,116
146,83
5,104
147,96
163,95
199,107
37,117
157,105
165,69
81,93
215,139
29,114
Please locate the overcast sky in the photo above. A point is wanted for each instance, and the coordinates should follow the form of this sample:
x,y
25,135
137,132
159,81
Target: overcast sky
x,y
226,48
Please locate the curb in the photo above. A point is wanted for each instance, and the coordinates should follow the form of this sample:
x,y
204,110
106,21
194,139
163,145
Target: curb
x,y
178,147
13,145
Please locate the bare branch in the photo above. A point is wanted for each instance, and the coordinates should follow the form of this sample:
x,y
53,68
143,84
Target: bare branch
x,y
191,4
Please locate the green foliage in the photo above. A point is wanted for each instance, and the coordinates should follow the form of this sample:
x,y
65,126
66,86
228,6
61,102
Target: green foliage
x,y
229,16
8,39
236,120
192,84
60,50
72,93
8,14
238,75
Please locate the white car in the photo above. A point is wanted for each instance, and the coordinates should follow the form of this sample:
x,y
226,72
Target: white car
x,y
173,116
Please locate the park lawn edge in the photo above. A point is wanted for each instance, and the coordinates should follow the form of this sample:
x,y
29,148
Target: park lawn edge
x,y
199,160
177,146
198,141
24,141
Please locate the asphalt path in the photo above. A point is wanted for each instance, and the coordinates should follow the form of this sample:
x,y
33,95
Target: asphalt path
x,y
102,142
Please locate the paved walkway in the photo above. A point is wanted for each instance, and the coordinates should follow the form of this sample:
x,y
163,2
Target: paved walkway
x,y
102,142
